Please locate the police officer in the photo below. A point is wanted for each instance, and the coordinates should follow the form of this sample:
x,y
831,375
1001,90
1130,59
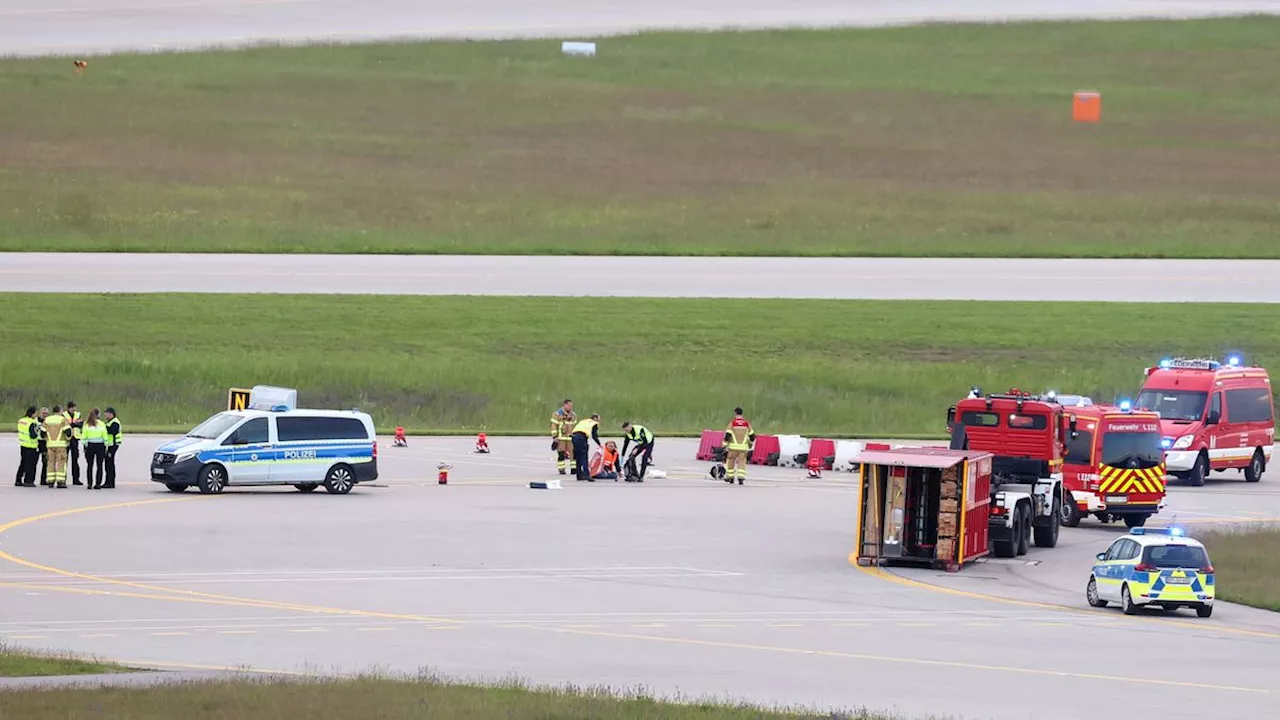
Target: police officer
x,y
95,450
589,428
73,445
738,439
28,448
58,428
562,422
114,437
643,439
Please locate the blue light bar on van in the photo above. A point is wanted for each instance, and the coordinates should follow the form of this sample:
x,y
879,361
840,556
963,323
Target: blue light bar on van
x,y
1126,405
1190,364
1234,361
1170,531
1166,363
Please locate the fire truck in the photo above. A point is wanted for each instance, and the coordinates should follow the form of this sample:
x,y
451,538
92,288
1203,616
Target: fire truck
x,y
1114,465
1028,436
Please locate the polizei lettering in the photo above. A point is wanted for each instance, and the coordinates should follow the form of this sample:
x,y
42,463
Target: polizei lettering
x,y
299,454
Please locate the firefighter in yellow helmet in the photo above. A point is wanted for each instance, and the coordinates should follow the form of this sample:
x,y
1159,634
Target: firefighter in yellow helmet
x,y
59,428
738,439
562,422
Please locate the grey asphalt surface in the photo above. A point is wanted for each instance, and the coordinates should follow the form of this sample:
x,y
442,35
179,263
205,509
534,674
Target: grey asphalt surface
x,y
85,27
684,585
1250,281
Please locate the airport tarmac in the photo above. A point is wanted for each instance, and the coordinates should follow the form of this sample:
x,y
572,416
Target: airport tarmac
x,y
86,27
685,585
1251,281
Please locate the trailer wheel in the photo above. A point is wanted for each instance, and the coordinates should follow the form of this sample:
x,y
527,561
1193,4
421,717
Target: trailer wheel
x,y
1046,535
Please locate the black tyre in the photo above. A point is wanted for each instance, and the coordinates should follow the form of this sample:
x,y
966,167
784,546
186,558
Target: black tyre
x,y
1199,471
1091,594
1024,534
1133,521
176,487
307,487
1204,611
1070,515
1253,472
212,479
340,480
1046,535
1126,602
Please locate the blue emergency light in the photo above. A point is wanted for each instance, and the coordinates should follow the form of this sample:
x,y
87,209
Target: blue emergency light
x,y
1234,361
1171,531
1166,363
1126,405
1166,443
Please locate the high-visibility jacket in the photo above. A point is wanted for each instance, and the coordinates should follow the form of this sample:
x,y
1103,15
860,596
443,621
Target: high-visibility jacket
x,y
562,422
28,432
94,434
739,435
586,427
114,433
640,435
59,429
74,417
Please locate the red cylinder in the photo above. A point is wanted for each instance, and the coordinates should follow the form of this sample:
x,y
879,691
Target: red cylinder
x,y
444,477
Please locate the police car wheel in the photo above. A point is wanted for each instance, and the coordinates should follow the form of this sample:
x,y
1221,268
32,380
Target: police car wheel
x,y
176,487
1091,594
306,487
1204,611
340,480
212,479
1126,602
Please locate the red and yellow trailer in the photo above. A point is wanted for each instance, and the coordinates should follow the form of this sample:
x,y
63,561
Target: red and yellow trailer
x,y
923,505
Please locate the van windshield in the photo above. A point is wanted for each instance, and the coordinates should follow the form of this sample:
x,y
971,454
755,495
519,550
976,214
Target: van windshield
x,y
1175,556
1132,450
1173,404
213,428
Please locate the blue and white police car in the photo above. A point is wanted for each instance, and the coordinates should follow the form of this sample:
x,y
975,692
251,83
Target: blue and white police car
x,y
1159,567
278,445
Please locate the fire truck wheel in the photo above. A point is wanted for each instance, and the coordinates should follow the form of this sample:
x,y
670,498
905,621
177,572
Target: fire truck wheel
x,y
1046,535
1024,532
1253,473
1070,514
1006,547
1199,471
1133,521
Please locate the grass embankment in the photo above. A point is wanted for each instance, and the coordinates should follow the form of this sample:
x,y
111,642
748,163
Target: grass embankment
x,y
15,662
928,141
388,699
1247,565
503,364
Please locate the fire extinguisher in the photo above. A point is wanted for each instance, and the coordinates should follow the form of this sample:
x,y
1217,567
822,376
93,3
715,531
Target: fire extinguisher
x,y
443,476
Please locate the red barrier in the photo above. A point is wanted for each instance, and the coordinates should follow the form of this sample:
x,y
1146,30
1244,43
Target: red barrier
x,y
822,449
877,446
765,446
711,439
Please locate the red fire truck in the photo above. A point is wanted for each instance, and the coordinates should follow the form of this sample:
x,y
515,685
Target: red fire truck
x,y
1114,464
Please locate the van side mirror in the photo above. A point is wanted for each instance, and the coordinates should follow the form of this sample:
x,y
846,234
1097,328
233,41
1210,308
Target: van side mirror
x,y
1213,417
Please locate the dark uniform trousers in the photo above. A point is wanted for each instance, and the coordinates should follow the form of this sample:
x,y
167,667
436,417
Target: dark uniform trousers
x,y
580,450
111,466
27,466
73,459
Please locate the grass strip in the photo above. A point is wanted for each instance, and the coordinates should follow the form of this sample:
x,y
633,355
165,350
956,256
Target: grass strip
x,y
465,364
17,662
1247,564
952,140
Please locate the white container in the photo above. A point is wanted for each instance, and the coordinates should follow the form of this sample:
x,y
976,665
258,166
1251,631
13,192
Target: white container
x,y
569,47
846,451
266,397
788,447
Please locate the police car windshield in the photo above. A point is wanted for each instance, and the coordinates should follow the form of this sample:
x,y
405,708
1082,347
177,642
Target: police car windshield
x,y
1132,450
212,428
1173,404
1175,556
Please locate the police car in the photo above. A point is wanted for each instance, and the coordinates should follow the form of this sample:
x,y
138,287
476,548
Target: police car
x,y
1153,567
271,443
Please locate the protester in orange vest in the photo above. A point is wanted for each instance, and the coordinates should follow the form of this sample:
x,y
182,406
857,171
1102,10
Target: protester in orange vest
x,y
610,464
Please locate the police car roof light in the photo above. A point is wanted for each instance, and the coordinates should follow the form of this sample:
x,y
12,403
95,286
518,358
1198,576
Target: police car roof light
x,y
1138,531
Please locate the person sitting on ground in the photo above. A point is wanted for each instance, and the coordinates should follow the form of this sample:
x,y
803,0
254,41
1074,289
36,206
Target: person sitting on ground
x,y
611,465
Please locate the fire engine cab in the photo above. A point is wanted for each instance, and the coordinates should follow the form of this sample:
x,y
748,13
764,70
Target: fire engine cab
x,y
1213,415
1114,465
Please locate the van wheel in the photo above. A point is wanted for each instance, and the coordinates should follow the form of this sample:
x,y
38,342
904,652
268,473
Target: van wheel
x,y
212,479
1253,473
1204,611
1199,471
306,487
340,480
176,487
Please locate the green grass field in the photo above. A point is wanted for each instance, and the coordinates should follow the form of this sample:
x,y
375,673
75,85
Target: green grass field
x,y
374,697
16,662
920,141
1246,564
503,364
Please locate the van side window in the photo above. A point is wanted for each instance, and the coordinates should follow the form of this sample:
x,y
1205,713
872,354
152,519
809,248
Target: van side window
x,y
1078,452
250,433
1215,405
296,429
1248,405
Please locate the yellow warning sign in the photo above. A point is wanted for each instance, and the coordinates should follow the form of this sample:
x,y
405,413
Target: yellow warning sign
x,y
238,399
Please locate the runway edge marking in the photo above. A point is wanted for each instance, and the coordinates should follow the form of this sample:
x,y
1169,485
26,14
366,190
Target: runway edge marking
x,y
183,595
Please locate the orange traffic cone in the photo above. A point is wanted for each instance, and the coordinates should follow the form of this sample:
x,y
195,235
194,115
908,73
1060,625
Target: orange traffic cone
x,y
482,443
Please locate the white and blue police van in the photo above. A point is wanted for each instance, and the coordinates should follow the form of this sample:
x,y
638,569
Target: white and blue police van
x,y
271,442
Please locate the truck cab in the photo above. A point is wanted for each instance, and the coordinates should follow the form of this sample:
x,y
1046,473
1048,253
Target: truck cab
x,y
1027,436
1213,416
1114,464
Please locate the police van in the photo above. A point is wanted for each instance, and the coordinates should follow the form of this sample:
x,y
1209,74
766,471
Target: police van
x,y
271,443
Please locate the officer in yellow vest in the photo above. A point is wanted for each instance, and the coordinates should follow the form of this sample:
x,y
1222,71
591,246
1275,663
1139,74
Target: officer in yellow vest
x,y
73,445
42,445
562,422
28,447
95,450
589,428
59,429
115,436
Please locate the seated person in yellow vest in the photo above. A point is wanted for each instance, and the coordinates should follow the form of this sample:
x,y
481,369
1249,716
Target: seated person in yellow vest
x,y
585,430
94,436
643,439
59,429
610,463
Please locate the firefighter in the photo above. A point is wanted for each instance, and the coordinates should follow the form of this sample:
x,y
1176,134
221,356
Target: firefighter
x,y
738,439
589,428
58,428
562,423
643,439
28,448
114,437
73,445
42,446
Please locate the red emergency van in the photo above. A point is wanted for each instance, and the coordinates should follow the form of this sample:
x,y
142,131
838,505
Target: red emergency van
x,y
1114,465
1213,415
